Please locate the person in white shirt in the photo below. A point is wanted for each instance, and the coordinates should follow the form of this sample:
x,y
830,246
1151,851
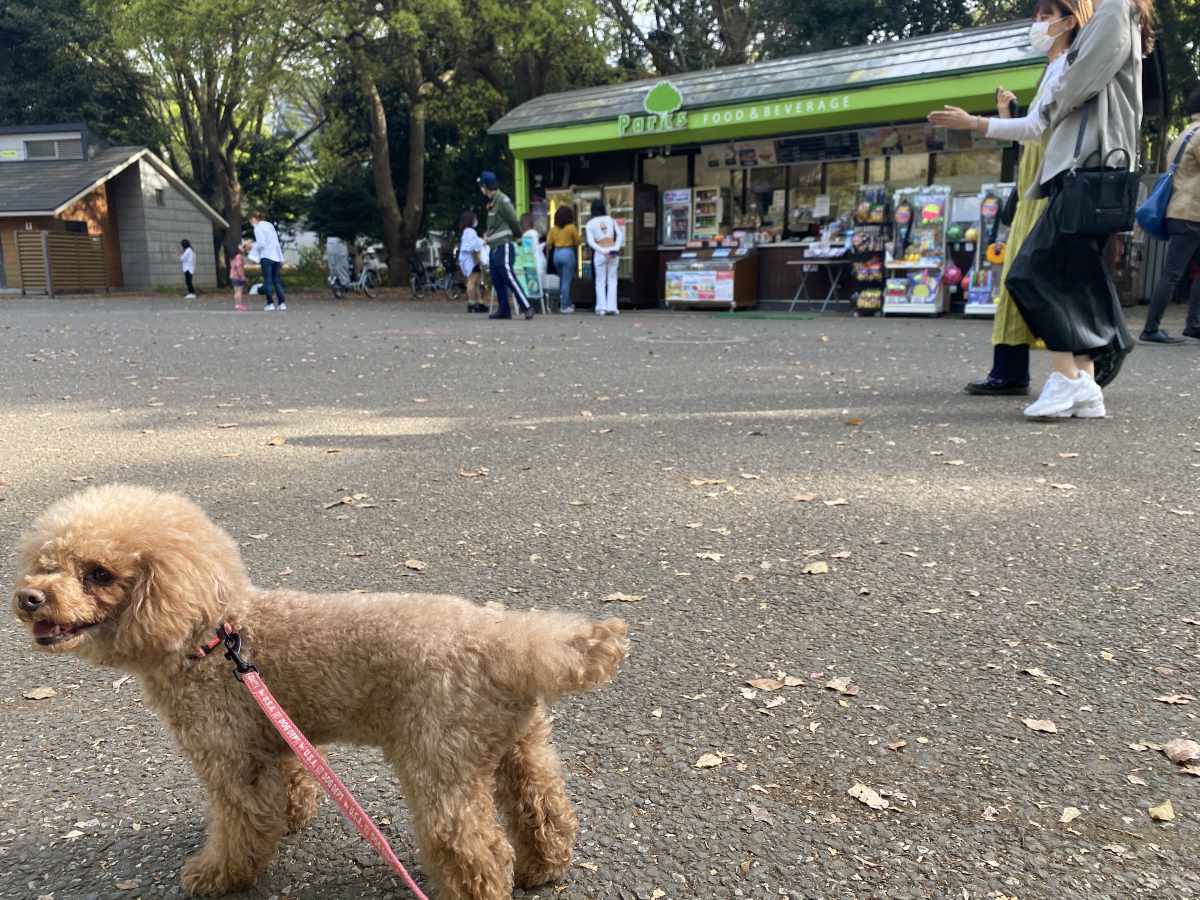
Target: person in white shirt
x,y
606,239
270,258
187,259
471,251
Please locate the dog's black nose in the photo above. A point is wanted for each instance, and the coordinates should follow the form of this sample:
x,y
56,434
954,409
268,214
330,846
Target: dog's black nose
x,y
30,600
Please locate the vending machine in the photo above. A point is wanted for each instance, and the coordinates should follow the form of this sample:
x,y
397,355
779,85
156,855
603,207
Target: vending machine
x,y
991,250
676,217
710,210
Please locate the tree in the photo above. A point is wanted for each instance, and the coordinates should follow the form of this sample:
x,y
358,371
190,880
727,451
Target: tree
x,y
219,67
687,35
815,25
346,207
58,63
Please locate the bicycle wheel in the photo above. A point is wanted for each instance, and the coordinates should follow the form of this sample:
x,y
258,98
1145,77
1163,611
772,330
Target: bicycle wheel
x,y
368,285
454,290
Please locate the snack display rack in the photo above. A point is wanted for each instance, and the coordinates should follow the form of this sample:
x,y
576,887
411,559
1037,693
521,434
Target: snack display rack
x,y
918,255
872,218
990,251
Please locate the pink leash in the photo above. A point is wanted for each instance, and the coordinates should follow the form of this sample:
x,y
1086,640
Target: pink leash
x,y
312,760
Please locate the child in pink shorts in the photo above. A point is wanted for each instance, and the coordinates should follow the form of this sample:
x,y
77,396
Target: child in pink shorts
x,y
237,277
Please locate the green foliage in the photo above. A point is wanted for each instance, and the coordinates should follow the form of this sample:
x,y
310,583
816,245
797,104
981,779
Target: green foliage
x,y
346,207
273,179
58,63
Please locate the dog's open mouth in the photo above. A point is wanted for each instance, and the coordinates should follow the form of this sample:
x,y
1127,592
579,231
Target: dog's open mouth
x,y
50,633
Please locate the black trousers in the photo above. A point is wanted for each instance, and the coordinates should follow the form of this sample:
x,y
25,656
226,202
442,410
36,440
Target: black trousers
x,y
1181,250
187,276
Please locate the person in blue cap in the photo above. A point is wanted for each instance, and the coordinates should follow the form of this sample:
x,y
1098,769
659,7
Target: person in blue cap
x,y
503,230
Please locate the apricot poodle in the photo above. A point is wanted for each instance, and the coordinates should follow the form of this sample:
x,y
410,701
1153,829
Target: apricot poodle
x,y
454,694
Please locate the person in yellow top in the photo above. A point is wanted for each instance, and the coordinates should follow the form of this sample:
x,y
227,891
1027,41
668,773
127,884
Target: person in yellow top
x,y
563,242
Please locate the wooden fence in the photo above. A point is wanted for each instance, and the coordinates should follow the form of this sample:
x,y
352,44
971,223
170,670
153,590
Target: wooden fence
x,y
53,262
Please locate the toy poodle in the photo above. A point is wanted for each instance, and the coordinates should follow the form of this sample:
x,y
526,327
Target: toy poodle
x,y
454,694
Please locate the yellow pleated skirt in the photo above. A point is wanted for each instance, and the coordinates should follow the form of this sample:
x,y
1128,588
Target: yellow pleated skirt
x,y
1009,327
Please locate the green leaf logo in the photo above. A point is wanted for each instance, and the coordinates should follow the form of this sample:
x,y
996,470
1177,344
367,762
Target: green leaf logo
x,y
664,98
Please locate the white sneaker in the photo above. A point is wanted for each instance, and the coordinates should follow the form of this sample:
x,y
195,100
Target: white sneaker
x,y
270,307
1061,397
189,296
282,307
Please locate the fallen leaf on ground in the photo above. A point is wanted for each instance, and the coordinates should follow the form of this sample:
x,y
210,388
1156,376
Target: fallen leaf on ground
x,y
897,745
750,477
259,537
618,597
758,814
816,568
40,693
1181,751
276,440
841,554
710,556
1069,815
473,473
773,702
708,761
805,498
1068,455
1182,512
1060,486
343,501
765,684
1134,779
841,501
120,681
843,686
1176,699
415,565
129,885
705,482
854,422
792,681
990,813
864,794
1164,812
955,462
228,425
1041,725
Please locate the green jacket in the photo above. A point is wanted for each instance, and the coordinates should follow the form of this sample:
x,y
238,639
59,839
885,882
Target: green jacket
x,y
503,227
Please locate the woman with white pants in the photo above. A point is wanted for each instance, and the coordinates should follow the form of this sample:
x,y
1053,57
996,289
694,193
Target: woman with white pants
x,y
606,239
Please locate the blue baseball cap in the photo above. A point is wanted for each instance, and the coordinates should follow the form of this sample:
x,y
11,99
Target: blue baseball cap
x,y
489,180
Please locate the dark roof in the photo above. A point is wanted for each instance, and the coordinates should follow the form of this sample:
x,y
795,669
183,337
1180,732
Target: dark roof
x,y
44,129
44,187
948,53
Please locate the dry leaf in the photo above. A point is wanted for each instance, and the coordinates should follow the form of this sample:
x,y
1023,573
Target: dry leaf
x,y
1068,456
990,813
704,482
276,440
712,557
816,568
805,498
773,702
128,885
841,554
765,684
1041,725
656,713
618,597
1069,815
40,693
843,686
1164,812
1134,779
473,473
955,462
760,815
792,681
854,422
864,794
1058,486
1176,699
1182,512
1181,751
415,565
259,537
344,501
708,761
897,745
841,501
749,477
228,425
120,681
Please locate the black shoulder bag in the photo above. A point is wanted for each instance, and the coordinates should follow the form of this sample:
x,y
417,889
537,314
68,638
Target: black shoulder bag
x,y
1008,212
1098,201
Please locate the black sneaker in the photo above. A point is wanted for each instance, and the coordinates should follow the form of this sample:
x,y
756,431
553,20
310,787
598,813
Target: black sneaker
x,y
528,312
497,315
1192,333
1159,337
991,387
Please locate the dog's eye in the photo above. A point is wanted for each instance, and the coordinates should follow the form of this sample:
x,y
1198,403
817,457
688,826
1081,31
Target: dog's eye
x,y
99,576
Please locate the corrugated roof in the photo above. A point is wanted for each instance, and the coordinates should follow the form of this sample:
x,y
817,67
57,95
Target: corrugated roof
x,y
44,187
948,53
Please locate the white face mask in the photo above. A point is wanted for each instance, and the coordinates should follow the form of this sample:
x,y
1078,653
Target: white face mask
x,y
1040,38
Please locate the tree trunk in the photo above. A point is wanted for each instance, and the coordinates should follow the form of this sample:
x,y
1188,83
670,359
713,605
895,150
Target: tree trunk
x,y
381,169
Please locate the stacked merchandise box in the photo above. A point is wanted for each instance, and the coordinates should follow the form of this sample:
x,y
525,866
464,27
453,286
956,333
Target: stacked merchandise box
x,y
872,218
918,258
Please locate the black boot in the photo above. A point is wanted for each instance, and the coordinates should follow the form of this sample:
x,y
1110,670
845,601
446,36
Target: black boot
x,y
1010,373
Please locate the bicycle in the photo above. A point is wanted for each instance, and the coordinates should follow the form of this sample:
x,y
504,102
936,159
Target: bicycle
x,y
444,280
364,284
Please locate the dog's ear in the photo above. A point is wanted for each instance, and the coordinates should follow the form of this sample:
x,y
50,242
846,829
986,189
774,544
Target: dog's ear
x,y
182,588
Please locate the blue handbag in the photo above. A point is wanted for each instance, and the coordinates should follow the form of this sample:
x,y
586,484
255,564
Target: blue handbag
x,y
1152,215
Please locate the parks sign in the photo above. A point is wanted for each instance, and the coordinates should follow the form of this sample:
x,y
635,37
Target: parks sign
x,y
662,112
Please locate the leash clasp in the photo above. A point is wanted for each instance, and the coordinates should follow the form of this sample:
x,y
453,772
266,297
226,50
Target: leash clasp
x,y
233,651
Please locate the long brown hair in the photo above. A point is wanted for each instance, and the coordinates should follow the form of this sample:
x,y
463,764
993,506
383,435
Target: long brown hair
x,y
1148,19
1082,10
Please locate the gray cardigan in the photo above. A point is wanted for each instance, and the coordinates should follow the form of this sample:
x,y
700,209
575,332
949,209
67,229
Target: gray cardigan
x,y
1104,75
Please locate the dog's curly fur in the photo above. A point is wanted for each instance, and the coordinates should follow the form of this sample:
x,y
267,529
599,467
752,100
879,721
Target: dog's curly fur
x,y
453,693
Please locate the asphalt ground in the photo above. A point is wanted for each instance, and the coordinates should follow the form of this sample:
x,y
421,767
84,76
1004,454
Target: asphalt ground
x,y
982,570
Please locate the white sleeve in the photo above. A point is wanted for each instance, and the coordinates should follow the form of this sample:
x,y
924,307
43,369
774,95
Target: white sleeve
x,y
620,232
591,238
1026,128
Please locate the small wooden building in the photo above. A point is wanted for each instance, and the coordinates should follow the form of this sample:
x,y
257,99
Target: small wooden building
x,y
95,217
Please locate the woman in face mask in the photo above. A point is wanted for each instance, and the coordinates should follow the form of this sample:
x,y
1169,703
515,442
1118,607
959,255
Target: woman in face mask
x,y
1055,24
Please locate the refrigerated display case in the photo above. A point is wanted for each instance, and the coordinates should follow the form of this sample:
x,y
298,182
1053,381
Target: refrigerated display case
x,y
676,217
710,211
726,277
618,200
634,207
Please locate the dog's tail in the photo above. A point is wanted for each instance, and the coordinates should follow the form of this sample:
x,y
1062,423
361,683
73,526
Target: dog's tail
x,y
546,655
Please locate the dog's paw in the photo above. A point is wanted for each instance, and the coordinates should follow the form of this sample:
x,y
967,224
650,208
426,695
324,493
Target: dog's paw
x,y
206,875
